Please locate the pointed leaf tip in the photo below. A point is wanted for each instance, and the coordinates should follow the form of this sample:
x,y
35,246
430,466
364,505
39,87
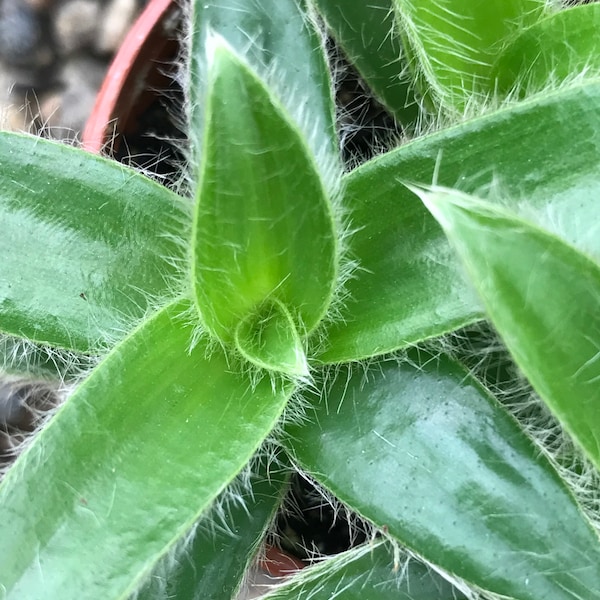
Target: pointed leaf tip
x,y
269,339
437,200
541,294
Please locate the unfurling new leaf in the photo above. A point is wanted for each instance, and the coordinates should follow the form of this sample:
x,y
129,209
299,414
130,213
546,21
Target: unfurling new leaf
x,y
263,230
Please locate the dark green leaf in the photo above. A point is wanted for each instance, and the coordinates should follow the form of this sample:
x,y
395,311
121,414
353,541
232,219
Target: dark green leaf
x,y
86,243
410,285
542,296
365,30
216,560
420,449
276,38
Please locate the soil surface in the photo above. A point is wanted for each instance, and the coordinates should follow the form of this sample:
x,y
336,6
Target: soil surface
x,y
53,57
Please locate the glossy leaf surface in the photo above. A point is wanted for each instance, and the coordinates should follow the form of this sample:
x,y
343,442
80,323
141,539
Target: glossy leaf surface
x,y
365,30
269,340
215,562
542,296
276,38
454,42
83,246
263,226
560,46
129,463
366,573
419,448
410,285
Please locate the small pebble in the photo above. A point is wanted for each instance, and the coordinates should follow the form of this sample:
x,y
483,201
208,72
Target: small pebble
x,y
19,33
118,17
22,39
39,4
65,112
75,25
38,40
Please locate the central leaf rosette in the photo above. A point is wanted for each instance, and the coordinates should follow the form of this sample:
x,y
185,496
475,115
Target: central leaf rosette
x,y
265,250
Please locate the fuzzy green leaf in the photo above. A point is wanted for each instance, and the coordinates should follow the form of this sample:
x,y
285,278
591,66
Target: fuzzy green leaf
x,y
543,297
365,32
129,463
367,572
454,43
263,226
86,243
268,339
561,46
420,449
409,286
277,40
216,560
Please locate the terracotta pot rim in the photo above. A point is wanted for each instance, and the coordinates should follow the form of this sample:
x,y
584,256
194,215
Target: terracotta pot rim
x,y
126,74
278,563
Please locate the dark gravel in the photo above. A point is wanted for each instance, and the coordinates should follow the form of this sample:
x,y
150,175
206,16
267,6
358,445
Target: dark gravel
x,y
53,57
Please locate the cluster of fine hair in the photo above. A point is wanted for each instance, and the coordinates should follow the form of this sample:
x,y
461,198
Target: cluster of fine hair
x,y
35,379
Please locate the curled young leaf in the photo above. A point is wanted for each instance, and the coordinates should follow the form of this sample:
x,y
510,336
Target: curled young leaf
x,y
263,228
269,339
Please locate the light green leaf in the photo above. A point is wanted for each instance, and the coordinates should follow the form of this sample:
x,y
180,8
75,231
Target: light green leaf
x,y
367,572
543,296
277,40
365,30
561,46
263,226
86,243
409,286
268,339
120,474
420,448
216,560
454,43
